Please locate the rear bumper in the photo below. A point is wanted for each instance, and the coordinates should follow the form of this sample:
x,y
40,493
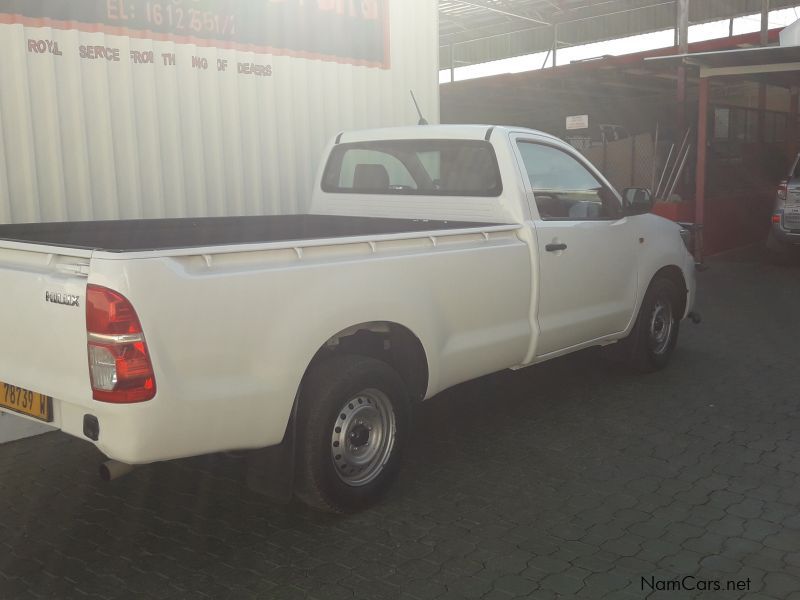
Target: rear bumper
x,y
778,235
127,433
150,432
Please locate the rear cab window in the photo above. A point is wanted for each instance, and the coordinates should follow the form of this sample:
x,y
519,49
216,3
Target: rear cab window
x,y
414,167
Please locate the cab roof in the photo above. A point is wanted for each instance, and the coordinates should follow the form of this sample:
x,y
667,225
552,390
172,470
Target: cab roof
x,y
434,132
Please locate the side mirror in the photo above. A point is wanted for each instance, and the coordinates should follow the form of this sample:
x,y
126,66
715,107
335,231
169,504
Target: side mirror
x,y
637,201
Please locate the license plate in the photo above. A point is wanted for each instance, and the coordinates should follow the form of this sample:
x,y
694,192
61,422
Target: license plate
x,y
26,402
791,218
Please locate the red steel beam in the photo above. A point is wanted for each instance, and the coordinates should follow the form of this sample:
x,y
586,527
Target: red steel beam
x,y
700,173
791,134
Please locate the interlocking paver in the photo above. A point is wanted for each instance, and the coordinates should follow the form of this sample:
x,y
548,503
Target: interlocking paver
x,y
757,529
563,584
568,480
786,540
707,543
780,584
721,564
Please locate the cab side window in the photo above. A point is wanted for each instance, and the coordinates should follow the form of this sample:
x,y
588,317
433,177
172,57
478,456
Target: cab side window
x,y
564,189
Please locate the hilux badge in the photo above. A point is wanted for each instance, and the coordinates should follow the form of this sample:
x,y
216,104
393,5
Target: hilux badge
x,y
65,299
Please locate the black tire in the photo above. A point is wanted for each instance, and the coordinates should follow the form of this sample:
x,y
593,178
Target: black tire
x,y
645,353
329,389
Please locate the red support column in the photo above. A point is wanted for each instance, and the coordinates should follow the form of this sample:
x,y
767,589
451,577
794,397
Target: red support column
x,y
700,175
791,130
682,42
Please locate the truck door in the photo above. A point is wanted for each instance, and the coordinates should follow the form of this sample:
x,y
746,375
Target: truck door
x,y
587,248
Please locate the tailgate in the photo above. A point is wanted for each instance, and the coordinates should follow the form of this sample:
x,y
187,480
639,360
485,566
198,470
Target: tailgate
x,y
791,211
43,321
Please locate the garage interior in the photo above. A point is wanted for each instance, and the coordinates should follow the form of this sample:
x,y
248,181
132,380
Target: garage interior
x,y
648,112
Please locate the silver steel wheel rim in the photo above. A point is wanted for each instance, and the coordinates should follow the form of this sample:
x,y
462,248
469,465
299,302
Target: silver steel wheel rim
x,y
662,322
363,437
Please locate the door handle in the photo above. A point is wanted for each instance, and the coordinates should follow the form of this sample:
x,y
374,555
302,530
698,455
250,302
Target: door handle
x,y
555,247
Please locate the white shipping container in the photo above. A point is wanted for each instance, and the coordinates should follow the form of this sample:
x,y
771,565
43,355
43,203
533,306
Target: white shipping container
x,y
125,109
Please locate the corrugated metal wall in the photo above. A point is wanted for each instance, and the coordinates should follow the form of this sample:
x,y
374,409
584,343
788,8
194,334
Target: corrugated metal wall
x,y
85,139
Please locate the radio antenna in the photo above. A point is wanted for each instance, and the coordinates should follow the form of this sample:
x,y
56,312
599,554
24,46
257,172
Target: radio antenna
x,y
422,120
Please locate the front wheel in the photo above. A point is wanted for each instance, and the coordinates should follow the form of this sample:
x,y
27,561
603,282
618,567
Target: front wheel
x,y
652,342
353,418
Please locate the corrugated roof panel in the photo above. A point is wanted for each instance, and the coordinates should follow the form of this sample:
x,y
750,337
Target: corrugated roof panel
x,y
483,35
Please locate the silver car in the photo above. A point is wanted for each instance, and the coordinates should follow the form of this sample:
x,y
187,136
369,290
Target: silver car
x,y
784,234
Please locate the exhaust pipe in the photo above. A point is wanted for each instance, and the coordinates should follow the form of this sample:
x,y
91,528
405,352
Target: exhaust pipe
x,y
112,469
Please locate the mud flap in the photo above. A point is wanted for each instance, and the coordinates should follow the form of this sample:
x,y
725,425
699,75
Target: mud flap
x,y
270,471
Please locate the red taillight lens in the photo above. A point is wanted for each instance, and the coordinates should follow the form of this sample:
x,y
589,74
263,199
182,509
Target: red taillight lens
x,y
119,363
776,218
109,313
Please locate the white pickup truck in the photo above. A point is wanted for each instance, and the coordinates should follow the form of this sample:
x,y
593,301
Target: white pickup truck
x,y
432,256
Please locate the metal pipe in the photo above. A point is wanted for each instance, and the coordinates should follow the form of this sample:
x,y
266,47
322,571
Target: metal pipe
x,y
680,172
555,43
673,172
655,150
674,177
664,171
546,58
700,175
682,26
677,160
112,469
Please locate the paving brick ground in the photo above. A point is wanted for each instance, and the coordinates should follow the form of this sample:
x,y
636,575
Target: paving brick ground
x,y
568,480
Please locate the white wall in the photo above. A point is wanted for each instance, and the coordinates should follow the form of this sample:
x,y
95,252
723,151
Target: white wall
x,y
86,139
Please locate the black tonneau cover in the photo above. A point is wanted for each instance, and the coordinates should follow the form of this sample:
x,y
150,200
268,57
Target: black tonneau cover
x,y
168,234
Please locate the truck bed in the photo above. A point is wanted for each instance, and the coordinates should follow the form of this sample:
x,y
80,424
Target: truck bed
x,y
169,234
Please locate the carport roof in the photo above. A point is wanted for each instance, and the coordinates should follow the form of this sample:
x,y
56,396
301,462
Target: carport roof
x,y
743,61
476,31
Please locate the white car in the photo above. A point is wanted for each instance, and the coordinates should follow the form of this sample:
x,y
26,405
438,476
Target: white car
x,y
433,255
784,234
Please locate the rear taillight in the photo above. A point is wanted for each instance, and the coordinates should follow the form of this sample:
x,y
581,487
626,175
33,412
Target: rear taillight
x,y
119,363
783,188
776,218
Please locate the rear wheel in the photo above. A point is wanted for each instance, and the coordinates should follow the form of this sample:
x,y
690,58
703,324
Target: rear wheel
x,y
652,341
353,418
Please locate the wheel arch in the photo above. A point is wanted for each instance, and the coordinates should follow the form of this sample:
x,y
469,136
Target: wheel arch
x,y
387,341
674,274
